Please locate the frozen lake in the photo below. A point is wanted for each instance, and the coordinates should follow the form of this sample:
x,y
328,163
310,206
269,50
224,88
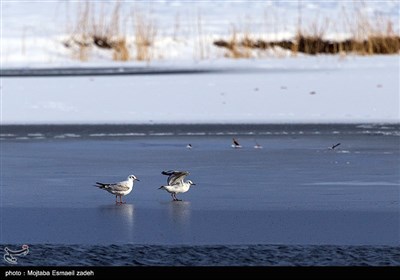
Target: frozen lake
x,y
67,123
293,191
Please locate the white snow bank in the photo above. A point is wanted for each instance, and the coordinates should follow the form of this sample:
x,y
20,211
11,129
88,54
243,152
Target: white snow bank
x,y
322,89
33,32
284,89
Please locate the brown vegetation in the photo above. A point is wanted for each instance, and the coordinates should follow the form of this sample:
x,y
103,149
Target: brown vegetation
x,y
316,45
100,32
96,29
367,36
145,34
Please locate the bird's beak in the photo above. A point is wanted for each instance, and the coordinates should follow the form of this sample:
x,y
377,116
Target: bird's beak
x,y
137,179
193,184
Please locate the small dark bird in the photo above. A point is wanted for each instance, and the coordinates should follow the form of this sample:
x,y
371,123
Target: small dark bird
x,y
334,146
235,143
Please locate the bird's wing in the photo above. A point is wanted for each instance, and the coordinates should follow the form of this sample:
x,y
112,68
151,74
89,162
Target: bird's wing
x,y
175,177
120,187
235,142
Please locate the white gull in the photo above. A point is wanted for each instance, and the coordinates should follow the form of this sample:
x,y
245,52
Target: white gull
x,y
119,189
176,183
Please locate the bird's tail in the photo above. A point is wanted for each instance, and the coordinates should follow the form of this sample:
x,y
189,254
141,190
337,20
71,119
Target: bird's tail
x,y
162,187
101,185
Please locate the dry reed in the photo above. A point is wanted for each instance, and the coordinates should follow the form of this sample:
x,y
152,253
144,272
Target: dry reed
x,y
101,31
145,30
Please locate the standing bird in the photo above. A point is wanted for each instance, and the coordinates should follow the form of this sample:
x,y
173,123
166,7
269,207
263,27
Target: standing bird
x,y
176,183
119,189
235,144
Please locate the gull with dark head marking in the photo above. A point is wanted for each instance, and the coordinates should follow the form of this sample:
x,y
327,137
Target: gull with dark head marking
x,y
119,189
176,183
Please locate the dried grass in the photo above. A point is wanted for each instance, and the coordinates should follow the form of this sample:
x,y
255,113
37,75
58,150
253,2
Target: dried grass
x,y
101,31
145,30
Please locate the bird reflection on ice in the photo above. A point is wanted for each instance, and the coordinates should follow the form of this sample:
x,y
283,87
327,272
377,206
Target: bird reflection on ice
x,y
120,218
179,213
122,210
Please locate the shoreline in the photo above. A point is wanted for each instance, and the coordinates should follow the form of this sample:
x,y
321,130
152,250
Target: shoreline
x,y
43,131
102,71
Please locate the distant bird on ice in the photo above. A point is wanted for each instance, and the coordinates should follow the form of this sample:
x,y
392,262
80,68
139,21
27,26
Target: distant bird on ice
x,y
189,146
176,183
257,146
119,189
334,146
235,144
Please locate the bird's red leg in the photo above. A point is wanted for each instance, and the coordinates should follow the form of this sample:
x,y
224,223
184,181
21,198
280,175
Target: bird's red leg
x,y
116,199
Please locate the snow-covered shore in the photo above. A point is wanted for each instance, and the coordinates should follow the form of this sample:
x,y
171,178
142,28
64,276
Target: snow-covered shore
x,y
320,89
274,88
35,33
